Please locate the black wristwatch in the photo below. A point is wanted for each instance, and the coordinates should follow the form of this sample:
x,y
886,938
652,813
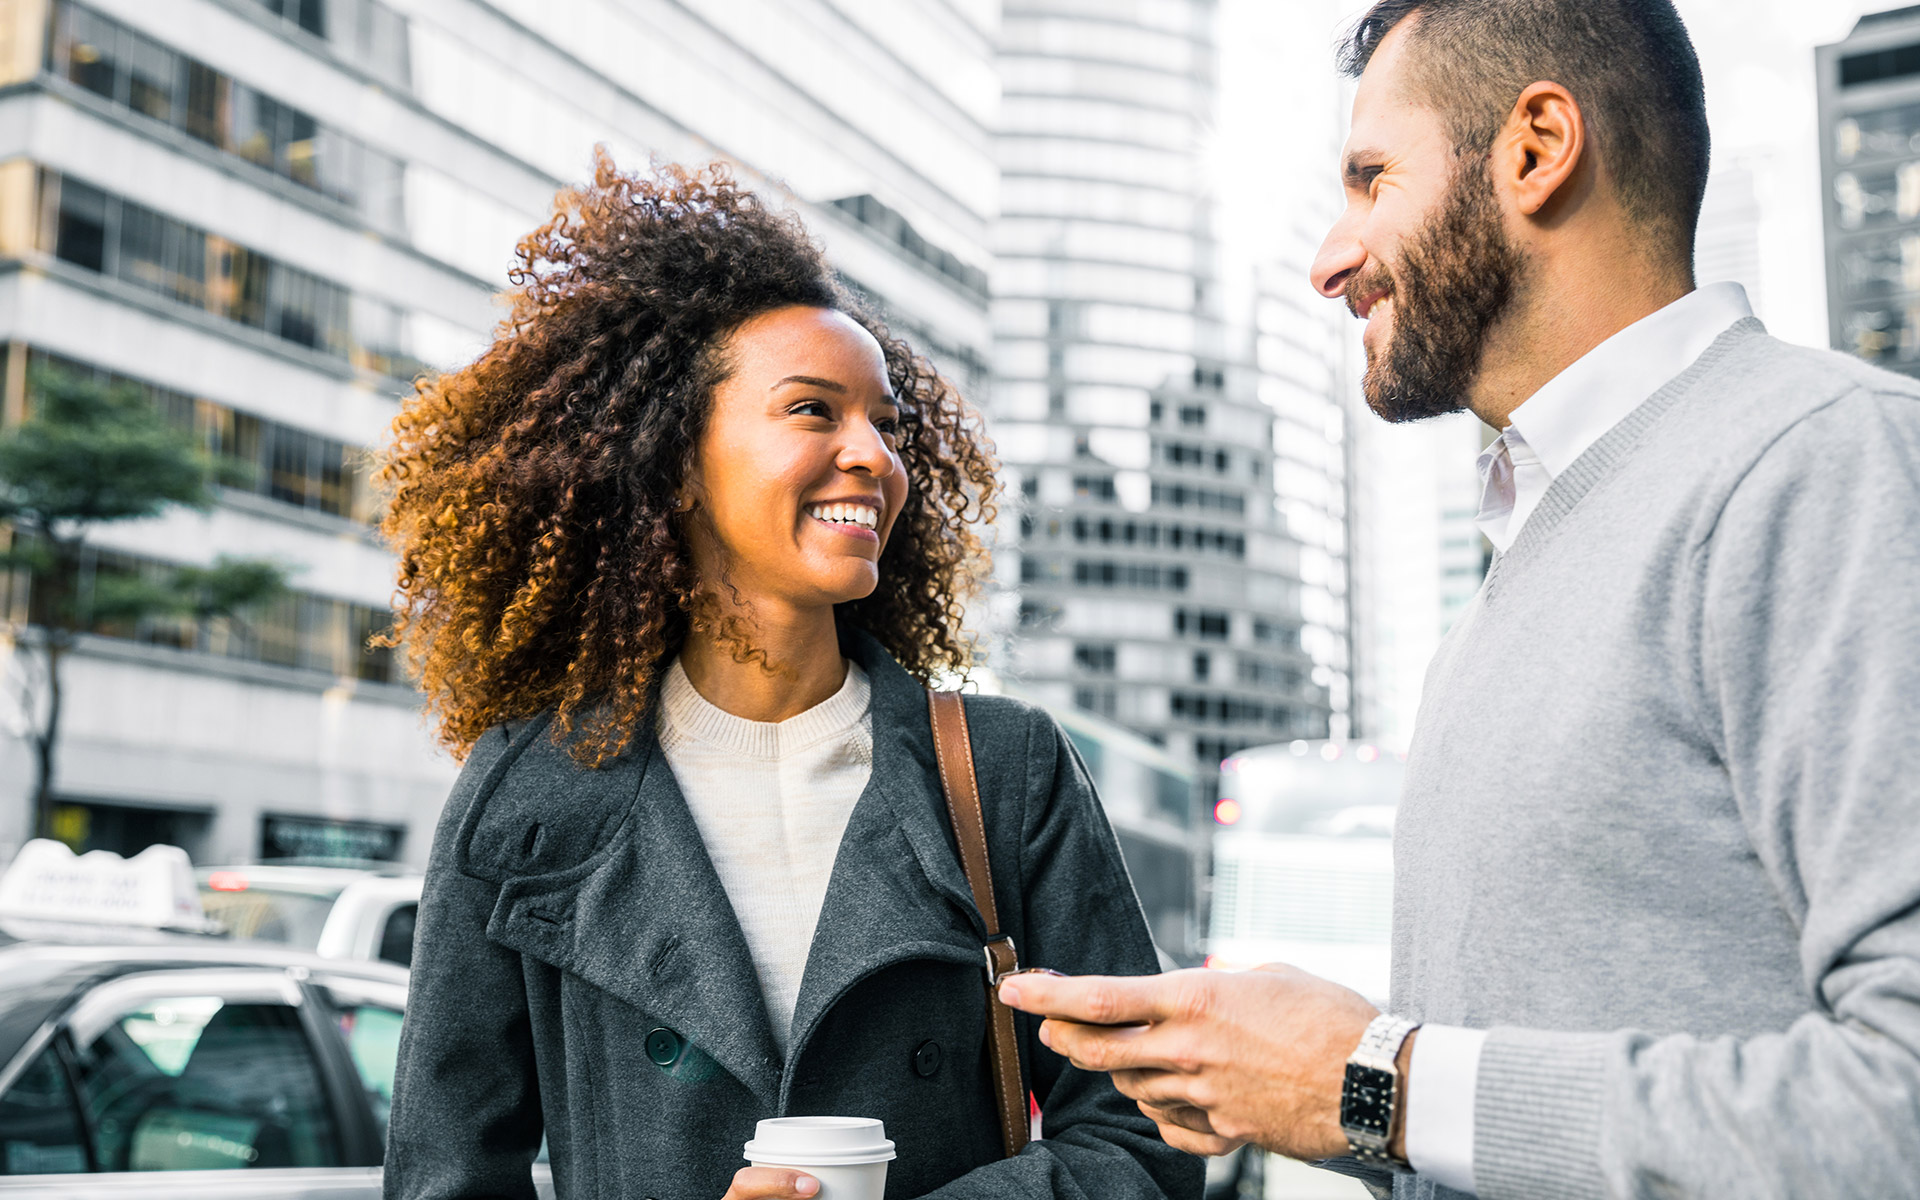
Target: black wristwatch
x,y
1372,1093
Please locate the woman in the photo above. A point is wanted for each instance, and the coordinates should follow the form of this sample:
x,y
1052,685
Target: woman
x,y
678,554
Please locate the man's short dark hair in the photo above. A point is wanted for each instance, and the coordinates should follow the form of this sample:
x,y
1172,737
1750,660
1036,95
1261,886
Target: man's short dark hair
x,y
1629,64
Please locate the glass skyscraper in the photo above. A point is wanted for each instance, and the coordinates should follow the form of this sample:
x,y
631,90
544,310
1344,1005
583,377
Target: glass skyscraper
x,y
1156,582
1869,86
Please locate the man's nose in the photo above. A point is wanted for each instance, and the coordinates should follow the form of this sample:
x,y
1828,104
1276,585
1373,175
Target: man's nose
x,y
1339,257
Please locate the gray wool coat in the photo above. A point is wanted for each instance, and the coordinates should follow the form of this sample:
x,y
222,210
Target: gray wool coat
x,y
578,971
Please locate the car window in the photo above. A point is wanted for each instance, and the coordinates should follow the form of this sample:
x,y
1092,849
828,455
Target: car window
x,y
39,1125
396,938
372,1032
198,1082
270,914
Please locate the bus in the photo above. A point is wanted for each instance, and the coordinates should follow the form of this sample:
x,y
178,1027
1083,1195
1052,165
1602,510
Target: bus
x,y
1303,861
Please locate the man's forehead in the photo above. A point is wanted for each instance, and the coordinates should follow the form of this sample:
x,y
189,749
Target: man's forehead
x,y
1387,110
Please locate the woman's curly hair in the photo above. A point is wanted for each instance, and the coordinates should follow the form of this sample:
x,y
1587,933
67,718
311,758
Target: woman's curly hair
x,y
533,492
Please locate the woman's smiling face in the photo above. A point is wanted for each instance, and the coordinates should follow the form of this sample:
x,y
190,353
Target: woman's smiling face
x,y
797,480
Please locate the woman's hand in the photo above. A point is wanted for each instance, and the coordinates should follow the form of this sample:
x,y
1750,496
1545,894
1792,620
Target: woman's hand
x,y
771,1183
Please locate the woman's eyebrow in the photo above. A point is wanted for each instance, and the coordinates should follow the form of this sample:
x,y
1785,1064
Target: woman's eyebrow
x,y
812,381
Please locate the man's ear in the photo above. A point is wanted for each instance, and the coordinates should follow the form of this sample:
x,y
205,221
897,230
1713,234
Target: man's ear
x,y
1541,148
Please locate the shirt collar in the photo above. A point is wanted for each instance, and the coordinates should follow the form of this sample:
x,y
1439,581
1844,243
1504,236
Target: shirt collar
x,y
1580,404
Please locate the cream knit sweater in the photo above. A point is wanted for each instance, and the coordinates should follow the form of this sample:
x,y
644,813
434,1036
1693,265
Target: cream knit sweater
x,y
771,799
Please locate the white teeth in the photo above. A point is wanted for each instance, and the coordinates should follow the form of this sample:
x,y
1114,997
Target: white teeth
x,y
846,514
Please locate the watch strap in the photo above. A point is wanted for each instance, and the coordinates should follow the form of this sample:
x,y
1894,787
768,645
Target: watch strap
x,y
1372,1095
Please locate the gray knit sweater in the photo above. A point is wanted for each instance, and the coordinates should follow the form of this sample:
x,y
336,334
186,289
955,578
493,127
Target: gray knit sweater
x,y
1661,832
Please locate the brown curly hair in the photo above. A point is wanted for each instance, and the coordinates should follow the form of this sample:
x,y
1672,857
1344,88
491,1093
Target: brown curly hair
x,y
532,492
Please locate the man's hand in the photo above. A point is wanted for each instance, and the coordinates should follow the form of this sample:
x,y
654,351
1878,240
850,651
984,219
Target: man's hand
x,y
1216,1058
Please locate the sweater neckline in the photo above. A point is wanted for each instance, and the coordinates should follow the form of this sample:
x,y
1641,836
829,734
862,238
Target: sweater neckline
x,y
685,712
1606,455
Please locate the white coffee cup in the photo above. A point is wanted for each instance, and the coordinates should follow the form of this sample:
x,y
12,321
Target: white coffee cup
x,y
848,1155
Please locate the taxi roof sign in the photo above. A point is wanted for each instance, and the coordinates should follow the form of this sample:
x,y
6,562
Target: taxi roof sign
x,y
153,889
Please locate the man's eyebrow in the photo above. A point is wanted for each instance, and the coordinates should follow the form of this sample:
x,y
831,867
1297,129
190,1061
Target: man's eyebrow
x,y
812,381
1353,171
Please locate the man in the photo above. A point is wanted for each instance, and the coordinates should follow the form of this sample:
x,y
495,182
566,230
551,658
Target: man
x,y
1657,895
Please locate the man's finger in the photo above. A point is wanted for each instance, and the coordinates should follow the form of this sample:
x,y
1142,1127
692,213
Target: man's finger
x,y
1205,1144
1093,999
1167,1090
1184,1115
1101,1048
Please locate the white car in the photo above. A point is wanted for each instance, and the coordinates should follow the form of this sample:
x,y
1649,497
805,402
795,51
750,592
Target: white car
x,y
143,1054
336,912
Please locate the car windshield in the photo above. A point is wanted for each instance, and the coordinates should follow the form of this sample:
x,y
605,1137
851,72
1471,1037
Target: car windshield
x,y
274,914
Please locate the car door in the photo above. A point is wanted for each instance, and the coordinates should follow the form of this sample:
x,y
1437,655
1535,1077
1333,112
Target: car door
x,y
201,1083
366,1016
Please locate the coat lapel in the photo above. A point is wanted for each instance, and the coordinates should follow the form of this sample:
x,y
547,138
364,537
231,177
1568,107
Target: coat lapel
x,y
647,920
897,891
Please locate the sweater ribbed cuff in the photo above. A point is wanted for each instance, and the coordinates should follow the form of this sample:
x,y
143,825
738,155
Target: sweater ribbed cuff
x,y
1536,1116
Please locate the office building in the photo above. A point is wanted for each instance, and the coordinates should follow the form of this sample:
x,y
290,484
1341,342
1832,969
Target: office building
x,y
1157,583
270,214
1869,89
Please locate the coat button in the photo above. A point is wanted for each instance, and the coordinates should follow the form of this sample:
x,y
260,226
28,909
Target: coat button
x,y
663,1047
926,1060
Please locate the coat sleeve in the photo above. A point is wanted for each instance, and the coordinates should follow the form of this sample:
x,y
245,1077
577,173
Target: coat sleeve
x,y
1080,916
1809,682
466,1117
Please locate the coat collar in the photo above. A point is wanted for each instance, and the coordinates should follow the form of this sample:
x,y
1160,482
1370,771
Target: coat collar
x,y
646,919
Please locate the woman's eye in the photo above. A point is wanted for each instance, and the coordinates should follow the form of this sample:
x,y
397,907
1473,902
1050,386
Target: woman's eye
x,y
888,425
811,408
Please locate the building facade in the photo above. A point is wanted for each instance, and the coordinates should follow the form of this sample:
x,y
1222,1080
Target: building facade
x,y
269,215
1156,583
1869,89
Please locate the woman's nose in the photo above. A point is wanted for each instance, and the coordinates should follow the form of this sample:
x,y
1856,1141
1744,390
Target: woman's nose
x,y
865,450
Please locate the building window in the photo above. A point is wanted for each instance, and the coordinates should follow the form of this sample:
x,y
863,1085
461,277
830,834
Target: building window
x,y
365,31
299,630
1255,672
1209,624
1102,573
1094,487
1216,709
1095,658
1035,614
1108,531
101,232
142,76
1096,700
268,459
1269,633
1202,667
1180,495
1193,416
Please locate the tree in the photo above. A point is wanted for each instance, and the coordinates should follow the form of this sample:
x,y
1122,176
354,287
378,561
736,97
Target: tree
x,y
89,454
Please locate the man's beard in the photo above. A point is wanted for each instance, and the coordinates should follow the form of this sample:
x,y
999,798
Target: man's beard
x,y
1454,281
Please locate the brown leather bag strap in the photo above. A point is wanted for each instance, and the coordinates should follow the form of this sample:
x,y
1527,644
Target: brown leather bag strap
x,y
953,751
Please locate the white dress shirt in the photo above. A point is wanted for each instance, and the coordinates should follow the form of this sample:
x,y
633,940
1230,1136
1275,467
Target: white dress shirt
x,y
1543,437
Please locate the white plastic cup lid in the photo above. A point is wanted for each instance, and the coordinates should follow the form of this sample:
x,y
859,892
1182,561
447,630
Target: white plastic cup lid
x,y
819,1142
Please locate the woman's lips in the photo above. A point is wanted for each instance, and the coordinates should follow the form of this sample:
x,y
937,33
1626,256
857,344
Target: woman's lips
x,y
857,532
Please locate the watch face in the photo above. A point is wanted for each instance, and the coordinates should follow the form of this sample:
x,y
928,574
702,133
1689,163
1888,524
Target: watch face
x,y
1366,1103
